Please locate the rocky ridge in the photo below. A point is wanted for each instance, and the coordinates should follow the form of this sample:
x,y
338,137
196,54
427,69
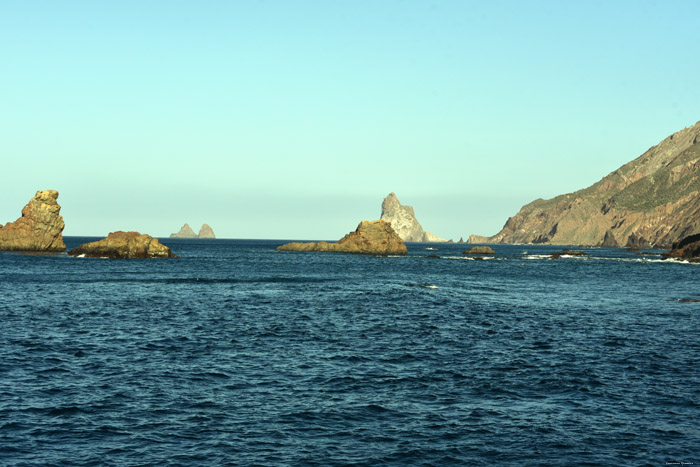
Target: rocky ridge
x,y
124,245
403,221
653,200
370,237
39,229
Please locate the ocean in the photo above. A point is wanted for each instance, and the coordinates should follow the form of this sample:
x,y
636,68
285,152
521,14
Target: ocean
x,y
235,354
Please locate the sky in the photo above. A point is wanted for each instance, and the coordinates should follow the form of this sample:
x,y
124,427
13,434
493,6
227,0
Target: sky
x,y
294,119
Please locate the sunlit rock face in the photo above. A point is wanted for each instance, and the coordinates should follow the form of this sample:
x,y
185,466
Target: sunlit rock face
x,y
653,200
370,237
403,221
39,229
124,245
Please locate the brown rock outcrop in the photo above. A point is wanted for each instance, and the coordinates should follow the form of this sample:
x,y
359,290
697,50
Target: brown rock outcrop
x,y
370,237
124,245
653,200
688,248
479,250
39,229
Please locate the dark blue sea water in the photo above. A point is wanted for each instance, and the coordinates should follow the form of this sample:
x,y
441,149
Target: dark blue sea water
x,y
235,354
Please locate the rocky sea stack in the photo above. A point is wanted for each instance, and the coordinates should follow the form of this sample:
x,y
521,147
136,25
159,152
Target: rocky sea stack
x,y
184,232
187,232
652,201
39,229
371,238
124,245
206,232
403,221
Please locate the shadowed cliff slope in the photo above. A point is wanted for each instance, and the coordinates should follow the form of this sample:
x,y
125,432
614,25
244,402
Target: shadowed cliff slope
x,y
653,200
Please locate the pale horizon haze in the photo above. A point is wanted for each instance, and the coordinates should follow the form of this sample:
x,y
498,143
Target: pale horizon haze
x,y
294,119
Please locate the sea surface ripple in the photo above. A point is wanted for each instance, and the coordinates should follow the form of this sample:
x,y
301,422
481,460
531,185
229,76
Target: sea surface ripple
x,y
235,354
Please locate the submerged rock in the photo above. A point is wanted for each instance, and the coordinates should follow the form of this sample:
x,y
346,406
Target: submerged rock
x,y
124,245
567,252
39,229
370,237
206,232
185,232
479,250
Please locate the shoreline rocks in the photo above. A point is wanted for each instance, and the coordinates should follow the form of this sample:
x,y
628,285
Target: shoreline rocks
x,y
124,245
40,229
370,238
687,248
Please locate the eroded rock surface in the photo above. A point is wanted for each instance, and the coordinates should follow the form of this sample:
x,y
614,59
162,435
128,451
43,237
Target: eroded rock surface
x,y
403,221
124,245
39,229
370,237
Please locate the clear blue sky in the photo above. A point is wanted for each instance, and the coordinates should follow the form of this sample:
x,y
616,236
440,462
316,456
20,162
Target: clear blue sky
x,y
294,119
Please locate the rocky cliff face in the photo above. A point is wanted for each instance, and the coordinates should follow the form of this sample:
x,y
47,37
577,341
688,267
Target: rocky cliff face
x,y
370,237
652,201
185,232
403,221
39,229
124,245
206,232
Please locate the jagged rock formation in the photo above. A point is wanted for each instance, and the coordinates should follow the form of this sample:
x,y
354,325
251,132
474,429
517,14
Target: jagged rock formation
x,y
371,237
39,229
653,200
124,245
404,222
206,232
185,232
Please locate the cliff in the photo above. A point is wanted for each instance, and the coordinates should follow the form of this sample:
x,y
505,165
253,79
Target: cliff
x,y
124,245
653,200
370,237
403,221
39,229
